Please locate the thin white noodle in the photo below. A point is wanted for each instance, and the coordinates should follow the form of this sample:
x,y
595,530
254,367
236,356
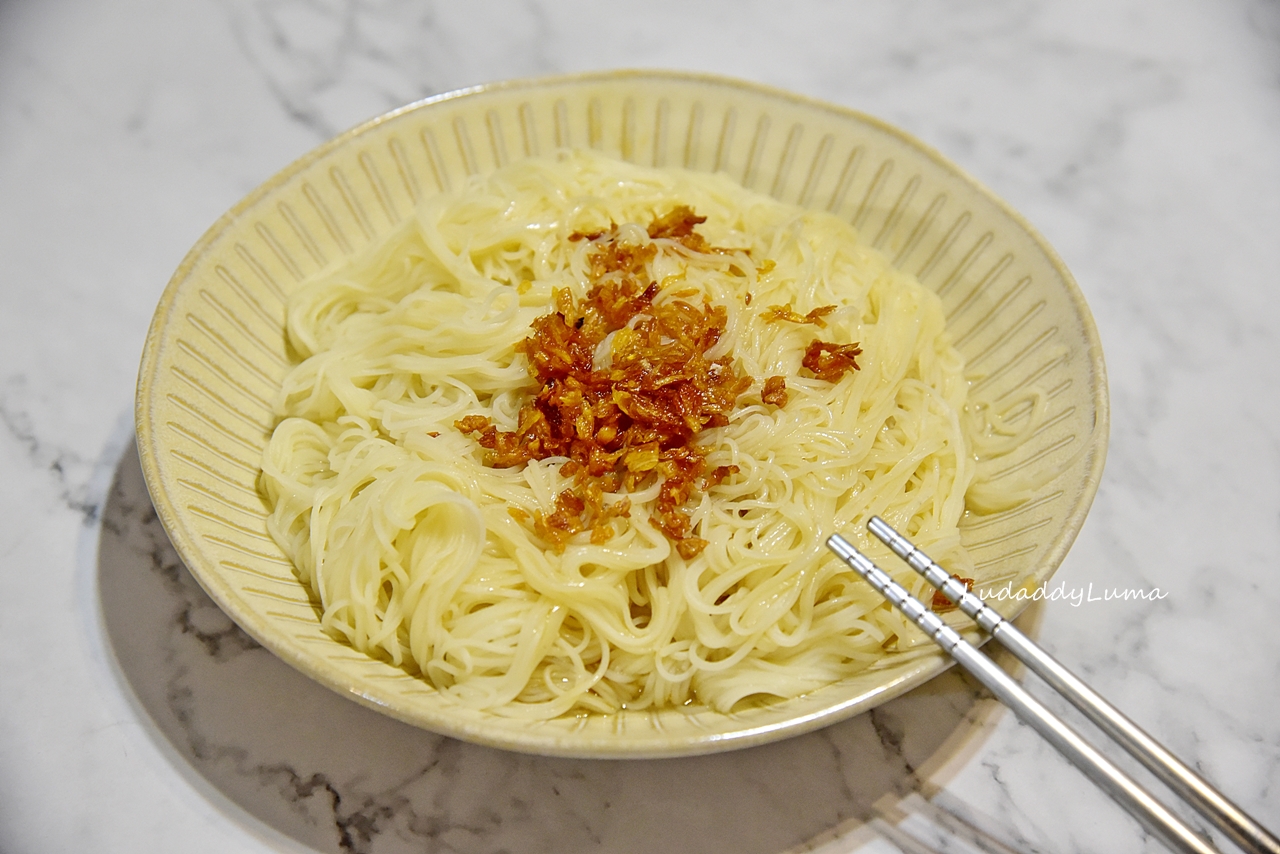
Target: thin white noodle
x,y
405,536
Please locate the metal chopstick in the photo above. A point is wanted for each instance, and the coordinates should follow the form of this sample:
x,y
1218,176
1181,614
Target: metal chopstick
x,y
1150,812
1191,787
1242,829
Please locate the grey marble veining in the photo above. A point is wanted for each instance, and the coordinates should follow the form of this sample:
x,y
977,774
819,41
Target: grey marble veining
x,y
1142,138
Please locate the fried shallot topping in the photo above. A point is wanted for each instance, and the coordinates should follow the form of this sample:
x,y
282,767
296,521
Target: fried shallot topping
x,y
624,390
774,392
830,361
827,361
776,313
941,604
678,225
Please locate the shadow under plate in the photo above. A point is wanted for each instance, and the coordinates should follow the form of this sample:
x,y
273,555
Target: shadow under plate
x,y
338,777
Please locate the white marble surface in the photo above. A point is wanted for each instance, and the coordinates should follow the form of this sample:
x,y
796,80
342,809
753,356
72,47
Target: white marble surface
x,y
1141,137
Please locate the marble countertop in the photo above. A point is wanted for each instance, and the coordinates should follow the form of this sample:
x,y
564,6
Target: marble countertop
x,y
1142,139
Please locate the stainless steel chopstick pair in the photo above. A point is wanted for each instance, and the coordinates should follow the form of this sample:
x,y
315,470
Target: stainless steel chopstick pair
x,y
1204,798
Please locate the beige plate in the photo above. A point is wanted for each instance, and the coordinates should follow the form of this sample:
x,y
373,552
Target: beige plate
x,y
215,354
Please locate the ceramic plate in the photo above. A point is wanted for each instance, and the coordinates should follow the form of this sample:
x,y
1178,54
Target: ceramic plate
x,y
215,353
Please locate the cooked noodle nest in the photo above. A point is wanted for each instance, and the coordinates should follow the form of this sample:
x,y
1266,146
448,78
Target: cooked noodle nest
x,y
420,554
